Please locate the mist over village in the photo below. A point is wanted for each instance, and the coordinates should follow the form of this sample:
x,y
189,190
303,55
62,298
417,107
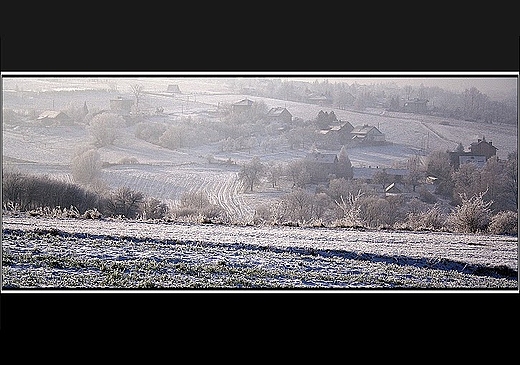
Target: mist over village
x,y
259,182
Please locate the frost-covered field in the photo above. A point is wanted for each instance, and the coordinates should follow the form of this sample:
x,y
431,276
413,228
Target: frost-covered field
x,y
49,253
166,174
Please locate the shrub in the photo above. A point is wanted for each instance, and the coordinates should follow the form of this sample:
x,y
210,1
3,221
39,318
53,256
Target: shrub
x,y
426,196
376,212
432,219
153,208
86,167
472,215
124,202
92,214
196,205
505,222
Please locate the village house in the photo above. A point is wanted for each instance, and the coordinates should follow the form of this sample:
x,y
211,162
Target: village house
x,y
393,190
484,148
53,117
279,114
242,105
478,154
335,135
324,165
367,134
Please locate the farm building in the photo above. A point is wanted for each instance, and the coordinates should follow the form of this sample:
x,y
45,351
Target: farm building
x,y
415,105
242,105
367,134
479,152
336,135
53,117
121,106
317,98
327,165
279,114
324,165
484,148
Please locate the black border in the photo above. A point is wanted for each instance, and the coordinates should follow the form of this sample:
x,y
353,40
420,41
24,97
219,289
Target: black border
x,y
120,52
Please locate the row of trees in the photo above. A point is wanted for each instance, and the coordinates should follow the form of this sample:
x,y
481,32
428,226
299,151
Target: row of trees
x,y
499,179
300,173
468,199
470,104
43,196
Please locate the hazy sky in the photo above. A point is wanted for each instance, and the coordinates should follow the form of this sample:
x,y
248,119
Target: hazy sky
x,y
450,83
497,84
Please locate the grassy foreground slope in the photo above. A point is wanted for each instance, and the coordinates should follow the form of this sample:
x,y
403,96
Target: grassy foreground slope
x,y
83,254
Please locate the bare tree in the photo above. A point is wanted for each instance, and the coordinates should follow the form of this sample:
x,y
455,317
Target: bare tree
x,y
274,171
382,177
153,208
137,90
125,202
251,172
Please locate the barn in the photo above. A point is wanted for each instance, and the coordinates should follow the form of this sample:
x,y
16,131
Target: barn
x,y
279,114
53,117
242,105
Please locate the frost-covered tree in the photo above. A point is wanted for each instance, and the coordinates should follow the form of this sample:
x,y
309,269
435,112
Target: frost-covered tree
x,y
153,208
137,90
86,167
505,222
105,128
251,172
472,215
350,208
